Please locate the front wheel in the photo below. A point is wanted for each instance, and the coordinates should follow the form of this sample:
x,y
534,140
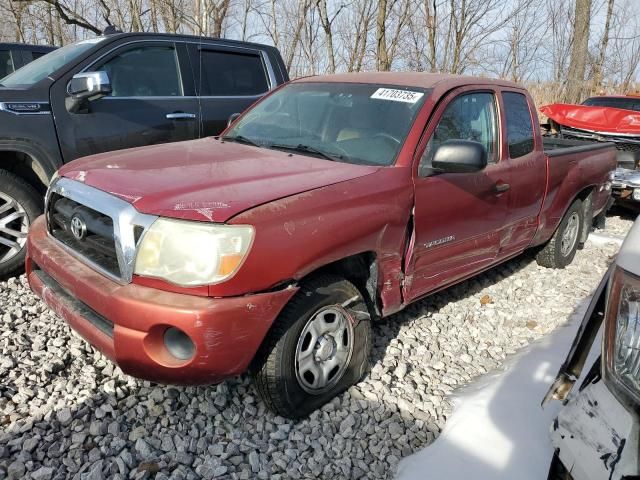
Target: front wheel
x,y
560,250
20,205
318,347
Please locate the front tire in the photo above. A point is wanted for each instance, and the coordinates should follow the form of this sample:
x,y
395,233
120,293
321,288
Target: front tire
x,y
317,348
20,205
560,250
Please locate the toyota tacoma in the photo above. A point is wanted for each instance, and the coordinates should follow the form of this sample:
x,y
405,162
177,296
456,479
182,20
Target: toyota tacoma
x,y
332,202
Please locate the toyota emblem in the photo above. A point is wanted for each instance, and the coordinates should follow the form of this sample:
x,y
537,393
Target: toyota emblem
x,y
78,227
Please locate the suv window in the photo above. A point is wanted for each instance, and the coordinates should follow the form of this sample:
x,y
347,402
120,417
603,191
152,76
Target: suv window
x,y
470,116
232,74
519,126
148,71
6,64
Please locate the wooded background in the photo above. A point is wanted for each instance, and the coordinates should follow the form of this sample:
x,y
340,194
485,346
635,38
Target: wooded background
x,y
563,50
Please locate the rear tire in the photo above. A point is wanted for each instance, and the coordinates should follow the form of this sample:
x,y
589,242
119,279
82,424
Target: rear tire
x,y
20,205
317,348
560,250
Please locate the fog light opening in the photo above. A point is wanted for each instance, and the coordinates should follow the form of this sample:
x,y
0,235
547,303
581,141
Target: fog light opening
x,y
178,344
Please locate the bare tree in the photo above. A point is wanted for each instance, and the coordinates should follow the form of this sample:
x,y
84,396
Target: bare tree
x,y
604,43
70,16
579,52
327,24
389,12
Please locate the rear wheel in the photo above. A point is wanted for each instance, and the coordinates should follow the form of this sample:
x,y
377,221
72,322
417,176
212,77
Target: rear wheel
x,y
20,205
318,347
560,250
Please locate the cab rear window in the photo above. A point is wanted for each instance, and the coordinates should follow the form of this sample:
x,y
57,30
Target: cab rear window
x,y
519,126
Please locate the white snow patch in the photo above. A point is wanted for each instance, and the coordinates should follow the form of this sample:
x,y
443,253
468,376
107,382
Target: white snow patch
x,y
604,238
498,428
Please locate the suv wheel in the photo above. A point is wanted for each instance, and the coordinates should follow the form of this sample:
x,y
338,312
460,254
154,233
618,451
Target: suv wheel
x,y
318,347
560,250
20,205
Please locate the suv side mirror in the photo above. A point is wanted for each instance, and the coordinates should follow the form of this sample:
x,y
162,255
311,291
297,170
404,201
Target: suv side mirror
x,y
232,118
459,156
84,87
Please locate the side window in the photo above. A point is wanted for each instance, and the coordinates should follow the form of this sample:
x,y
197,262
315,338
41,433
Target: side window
x,y
6,64
519,127
150,71
232,74
471,116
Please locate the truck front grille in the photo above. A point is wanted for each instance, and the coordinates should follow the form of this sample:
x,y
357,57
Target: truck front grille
x,y
621,143
85,231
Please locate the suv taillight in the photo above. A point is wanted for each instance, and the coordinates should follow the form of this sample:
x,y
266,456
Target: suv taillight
x,y
622,333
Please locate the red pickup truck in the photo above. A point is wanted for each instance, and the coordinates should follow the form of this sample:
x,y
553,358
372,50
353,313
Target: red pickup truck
x,y
332,202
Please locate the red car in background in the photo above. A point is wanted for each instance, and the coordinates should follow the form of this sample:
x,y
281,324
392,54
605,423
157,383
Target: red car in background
x,y
609,118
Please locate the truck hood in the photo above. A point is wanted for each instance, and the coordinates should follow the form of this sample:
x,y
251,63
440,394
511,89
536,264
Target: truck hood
x,y
594,119
206,180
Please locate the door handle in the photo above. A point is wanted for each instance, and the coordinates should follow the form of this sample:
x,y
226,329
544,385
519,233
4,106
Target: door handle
x,y
501,187
181,116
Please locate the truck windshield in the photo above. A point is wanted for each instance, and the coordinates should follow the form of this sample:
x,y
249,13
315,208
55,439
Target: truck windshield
x,y
625,103
44,66
347,122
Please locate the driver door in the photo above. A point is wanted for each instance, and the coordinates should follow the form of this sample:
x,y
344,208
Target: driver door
x,y
458,217
152,101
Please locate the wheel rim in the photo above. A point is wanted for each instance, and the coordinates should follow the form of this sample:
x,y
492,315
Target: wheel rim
x,y
570,235
324,350
14,225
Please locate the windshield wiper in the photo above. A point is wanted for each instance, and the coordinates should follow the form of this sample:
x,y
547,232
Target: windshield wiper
x,y
240,139
308,149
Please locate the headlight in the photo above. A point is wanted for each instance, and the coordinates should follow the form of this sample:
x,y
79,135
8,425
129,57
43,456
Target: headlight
x,y
623,331
636,194
191,253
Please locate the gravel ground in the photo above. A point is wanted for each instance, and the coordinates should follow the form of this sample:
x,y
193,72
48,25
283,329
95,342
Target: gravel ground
x,y
65,411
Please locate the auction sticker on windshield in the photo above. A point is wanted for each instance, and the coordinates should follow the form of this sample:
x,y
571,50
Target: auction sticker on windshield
x,y
406,96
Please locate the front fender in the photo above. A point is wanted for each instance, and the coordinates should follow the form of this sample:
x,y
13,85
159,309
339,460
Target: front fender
x,y
299,234
42,161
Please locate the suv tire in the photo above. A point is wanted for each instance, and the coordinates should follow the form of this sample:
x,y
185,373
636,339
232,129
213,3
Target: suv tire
x,y
20,205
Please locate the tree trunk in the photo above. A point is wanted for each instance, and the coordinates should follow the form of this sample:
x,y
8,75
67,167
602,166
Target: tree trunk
x,y
604,42
382,57
579,52
326,26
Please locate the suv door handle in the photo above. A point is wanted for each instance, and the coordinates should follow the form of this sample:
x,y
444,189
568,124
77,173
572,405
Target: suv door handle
x,y
501,187
181,116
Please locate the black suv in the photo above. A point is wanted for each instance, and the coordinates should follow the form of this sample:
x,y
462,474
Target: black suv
x,y
113,92
16,55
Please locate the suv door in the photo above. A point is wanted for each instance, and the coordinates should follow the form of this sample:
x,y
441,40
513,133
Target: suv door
x,y
152,101
458,217
229,80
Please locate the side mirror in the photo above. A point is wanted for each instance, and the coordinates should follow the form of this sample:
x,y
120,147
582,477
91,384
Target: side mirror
x,y
459,156
84,87
232,118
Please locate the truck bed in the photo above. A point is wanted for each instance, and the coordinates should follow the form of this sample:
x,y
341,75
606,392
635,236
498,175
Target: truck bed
x,y
554,146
